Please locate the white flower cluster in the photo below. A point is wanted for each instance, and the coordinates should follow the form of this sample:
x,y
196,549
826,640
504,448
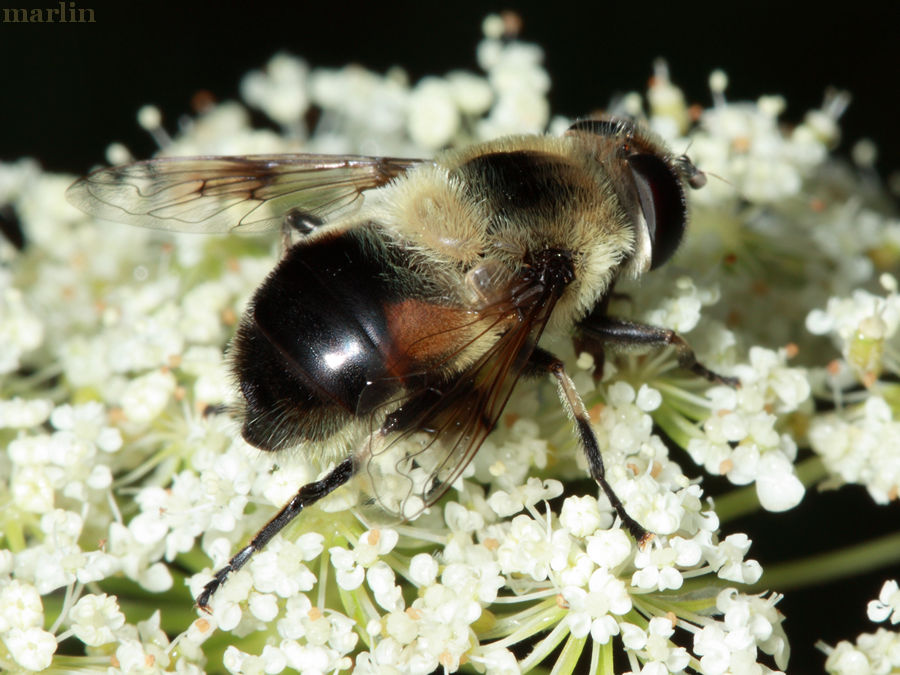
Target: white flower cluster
x,y
579,573
864,327
741,438
21,621
860,445
875,653
121,477
860,441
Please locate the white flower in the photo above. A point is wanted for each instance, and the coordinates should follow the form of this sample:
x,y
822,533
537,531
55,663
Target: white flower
x,y
756,616
388,595
461,519
715,653
264,606
423,569
479,580
351,565
498,662
506,503
681,313
433,114
529,548
659,650
20,330
20,413
401,627
728,558
887,604
610,548
95,618
349,574
860,325
845,659
57,561
592,610
873,654
279,90
304,624
279,568
88,421
648,399
137,559
740,438
778,487
582,516
471,93
32,489
32,648
20,606
859,445
146,397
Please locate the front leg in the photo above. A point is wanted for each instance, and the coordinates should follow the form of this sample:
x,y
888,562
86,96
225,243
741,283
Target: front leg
x,y
544,361
597,331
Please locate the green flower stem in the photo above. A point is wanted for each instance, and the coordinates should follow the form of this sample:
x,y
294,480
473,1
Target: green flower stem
x,y
12,530
568,658
602,658
891,394
846,562
522,625
691,609
674,424
358,606
543,648
677,395
744,501
36,384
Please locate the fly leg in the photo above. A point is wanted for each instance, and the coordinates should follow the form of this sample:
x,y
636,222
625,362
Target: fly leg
x,y
542,360
307,495
598,331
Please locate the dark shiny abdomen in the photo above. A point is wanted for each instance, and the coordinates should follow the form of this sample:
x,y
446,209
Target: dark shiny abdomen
x,y
314,336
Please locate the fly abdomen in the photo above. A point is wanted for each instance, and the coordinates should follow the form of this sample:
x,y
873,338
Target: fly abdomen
x,y
313,340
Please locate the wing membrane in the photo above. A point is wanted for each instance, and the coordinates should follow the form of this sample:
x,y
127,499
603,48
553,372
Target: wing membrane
x,y
456,417
230,194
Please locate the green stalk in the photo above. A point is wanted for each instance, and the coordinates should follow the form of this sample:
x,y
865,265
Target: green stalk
x,y
13,531
825,567
543,648
568,658
602,662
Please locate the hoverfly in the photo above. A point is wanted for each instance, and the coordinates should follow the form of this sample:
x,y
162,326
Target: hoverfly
x,y
414,315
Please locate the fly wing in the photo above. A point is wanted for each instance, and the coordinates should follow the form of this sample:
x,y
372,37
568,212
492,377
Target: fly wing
x,y
246,194
434,433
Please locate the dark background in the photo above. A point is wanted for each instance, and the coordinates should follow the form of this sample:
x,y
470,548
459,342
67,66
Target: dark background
x,y
70,89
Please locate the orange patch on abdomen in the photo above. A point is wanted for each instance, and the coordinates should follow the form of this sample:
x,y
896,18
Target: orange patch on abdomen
x,y
426,336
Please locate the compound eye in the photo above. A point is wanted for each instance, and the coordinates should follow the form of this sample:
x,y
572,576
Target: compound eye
x,y
662,201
